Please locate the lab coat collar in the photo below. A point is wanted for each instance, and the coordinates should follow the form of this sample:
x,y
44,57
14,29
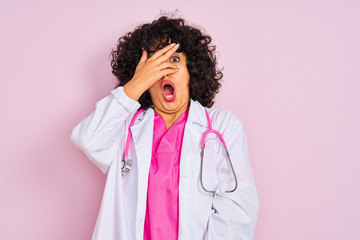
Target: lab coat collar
x,y
197,113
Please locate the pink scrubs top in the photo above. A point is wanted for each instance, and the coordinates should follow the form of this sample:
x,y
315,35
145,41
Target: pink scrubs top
x,y
162,207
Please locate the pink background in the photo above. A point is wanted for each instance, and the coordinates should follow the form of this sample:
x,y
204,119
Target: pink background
x,y
291,71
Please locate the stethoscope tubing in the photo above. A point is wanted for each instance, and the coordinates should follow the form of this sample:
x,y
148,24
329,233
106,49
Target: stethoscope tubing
x,y
211,130
127,163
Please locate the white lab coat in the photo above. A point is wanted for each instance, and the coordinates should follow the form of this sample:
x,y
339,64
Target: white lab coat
x,y
102,137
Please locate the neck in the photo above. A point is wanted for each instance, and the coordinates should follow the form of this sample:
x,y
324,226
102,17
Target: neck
x,y
170,118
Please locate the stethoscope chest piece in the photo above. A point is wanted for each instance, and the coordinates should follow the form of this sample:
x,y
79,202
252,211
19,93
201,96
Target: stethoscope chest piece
x,y
126,165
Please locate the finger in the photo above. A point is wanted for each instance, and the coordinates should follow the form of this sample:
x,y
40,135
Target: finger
x,y
166,65
168,72
143,56
160,52
165,56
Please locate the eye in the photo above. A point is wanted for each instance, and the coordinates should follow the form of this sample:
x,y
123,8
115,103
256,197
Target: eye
x,y
178,59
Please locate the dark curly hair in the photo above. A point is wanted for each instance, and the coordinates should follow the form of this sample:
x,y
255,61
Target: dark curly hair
x,y
201,60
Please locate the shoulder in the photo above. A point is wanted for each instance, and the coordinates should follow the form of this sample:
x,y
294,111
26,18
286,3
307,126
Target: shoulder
x,y
224,120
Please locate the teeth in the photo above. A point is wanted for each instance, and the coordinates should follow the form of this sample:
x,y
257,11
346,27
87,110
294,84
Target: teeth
x,y
169,96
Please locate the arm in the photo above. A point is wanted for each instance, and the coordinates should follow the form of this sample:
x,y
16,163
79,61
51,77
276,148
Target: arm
x,y
99,134
234,215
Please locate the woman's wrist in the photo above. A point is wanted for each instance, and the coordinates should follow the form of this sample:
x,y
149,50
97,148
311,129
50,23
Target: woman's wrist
x,y
133,90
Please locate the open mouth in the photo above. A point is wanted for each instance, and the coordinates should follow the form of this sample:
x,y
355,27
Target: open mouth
x,y
168,90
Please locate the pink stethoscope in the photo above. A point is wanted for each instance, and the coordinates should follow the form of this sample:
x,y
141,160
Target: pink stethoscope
x,y
127,163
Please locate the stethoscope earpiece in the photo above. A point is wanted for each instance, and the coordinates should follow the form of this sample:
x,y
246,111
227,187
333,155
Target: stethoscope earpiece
x,y
126,167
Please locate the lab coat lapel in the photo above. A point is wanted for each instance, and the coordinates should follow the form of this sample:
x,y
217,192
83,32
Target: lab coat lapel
x,y
142,134
195,125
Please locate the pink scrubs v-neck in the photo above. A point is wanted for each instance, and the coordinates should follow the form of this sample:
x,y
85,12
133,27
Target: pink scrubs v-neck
x,y
162,207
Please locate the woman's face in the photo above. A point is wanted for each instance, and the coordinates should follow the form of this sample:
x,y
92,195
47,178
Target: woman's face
x,y
171,93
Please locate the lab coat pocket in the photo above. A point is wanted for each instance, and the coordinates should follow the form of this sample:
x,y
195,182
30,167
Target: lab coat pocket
x,y
201,206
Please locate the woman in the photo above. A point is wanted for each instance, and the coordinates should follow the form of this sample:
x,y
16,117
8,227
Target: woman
x,y
164,192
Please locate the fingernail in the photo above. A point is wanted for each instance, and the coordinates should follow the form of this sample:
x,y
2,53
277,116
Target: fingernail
x,y
172,44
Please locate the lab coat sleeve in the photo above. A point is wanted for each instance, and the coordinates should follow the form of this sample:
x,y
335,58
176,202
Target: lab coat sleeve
x,y
234,215
99,134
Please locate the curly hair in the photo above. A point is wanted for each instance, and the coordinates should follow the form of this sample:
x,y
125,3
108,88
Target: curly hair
x,y
205,77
